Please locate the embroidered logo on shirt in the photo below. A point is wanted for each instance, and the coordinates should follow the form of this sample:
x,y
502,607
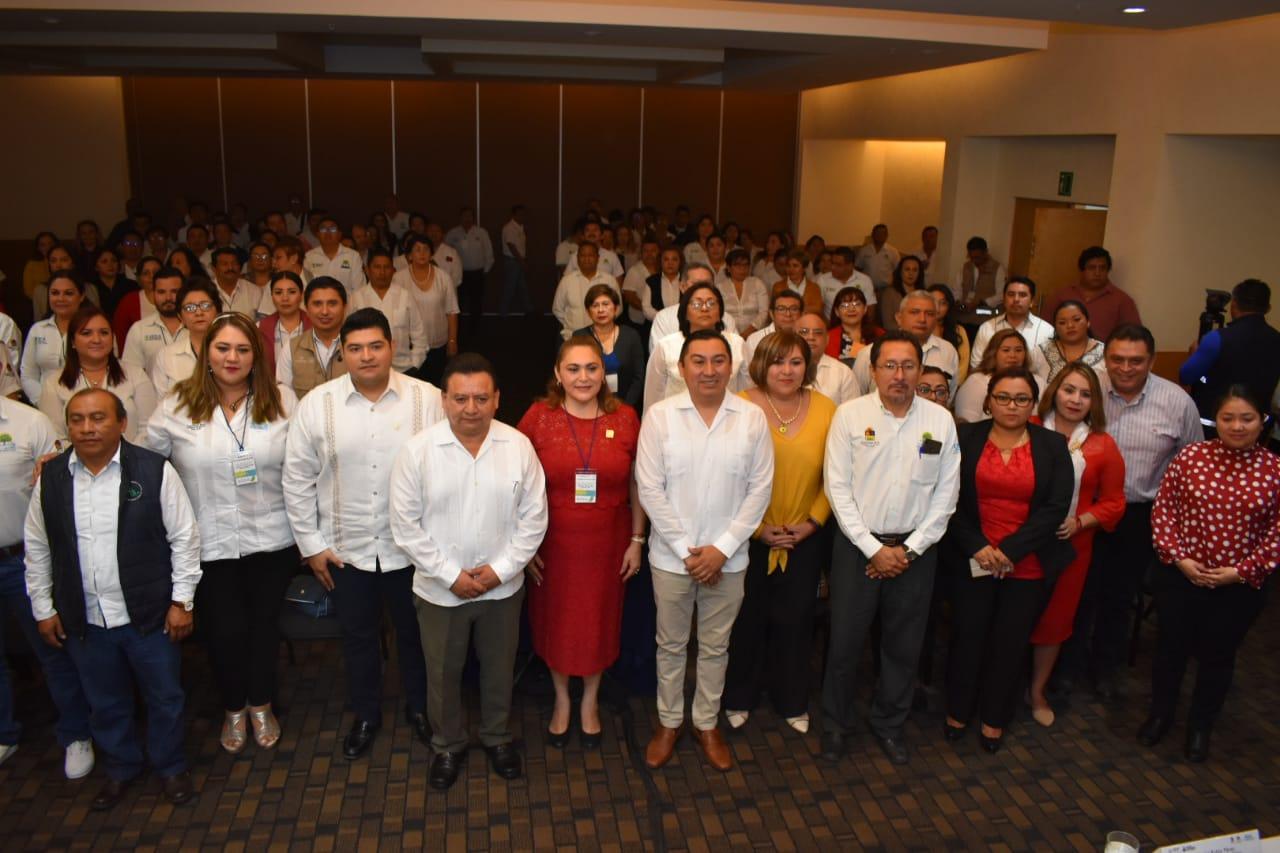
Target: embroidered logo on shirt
x,y
6,442
133,491
869,436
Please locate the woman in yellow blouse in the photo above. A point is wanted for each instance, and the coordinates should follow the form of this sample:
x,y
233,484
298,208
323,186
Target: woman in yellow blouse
x,y
769,648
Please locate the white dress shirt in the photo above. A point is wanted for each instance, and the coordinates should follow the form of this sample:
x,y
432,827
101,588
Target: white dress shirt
x,y
637,282
234,520
25,435
398,224
752,310
769,275
338,466
434,304
136,392
834,379
513,235
1033,330
145,339
566,251
829,285
703,485
42,356
937,353
9,382
662,377
324,352
567,304
694,253
96,502
246,297
667,321
346,266
473,246
879,480
753,340
446,258
172,364
11,339
408,329
451,511
879,264
608,263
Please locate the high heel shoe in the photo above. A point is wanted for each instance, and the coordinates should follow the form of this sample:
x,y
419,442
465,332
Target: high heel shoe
x,y
558,740
990,744
799,724
266,728
954,733
235,734
737,719
589,740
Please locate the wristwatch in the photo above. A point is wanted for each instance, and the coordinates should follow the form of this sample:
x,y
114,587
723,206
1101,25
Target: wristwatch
x,y
188,606
911,554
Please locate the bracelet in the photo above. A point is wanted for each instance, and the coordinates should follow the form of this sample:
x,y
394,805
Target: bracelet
x,y
638,539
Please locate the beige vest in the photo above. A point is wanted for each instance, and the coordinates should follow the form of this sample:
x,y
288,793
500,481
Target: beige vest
x,y
307,370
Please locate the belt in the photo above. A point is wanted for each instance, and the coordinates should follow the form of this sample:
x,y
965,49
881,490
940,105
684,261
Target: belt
x,y
10,551
892,539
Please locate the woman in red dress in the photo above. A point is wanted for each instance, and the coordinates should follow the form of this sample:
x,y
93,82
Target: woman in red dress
x,y
586,441
1072,406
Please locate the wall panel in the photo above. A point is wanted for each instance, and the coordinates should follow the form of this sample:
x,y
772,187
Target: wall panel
x,y
350,146
601,148
681,138
173,142
436,147
264,129
757,170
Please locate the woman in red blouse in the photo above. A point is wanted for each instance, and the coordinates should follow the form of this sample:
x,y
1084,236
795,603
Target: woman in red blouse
x,y
1072,406
1216,526
1015,488
585,438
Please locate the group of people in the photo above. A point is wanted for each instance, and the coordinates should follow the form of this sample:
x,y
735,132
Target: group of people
x,y
791,432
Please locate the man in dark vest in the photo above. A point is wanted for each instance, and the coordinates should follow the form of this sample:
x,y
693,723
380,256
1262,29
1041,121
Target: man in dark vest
x,y
1246,352
113,559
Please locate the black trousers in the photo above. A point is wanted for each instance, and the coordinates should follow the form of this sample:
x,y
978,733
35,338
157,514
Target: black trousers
x,y
360,597
1207,624
473,292
991,625
772,638
903,605
432,367
1100,635
238,603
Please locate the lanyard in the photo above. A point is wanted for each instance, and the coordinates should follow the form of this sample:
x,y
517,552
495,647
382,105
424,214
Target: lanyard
x,y
586,460
248,400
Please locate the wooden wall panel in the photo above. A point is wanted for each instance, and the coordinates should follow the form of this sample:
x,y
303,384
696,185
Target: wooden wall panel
x,y
264,128
436,147
601,148
757,169
173,142
350,147
519,154
681,137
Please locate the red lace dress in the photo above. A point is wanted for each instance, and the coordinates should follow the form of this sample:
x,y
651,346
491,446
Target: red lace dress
x,y
575,615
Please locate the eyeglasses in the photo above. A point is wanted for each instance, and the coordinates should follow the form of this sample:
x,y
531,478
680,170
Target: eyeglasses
x,y
803,332
703,304
895,366
327,229
133,244
261,256
1019,400
852,303
939,392
193,307
786,309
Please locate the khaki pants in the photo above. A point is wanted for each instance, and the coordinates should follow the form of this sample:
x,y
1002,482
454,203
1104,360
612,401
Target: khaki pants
x,y
676,596
446,634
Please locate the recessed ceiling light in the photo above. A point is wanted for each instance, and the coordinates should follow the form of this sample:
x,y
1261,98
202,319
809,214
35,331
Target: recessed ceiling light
x,y
1134,10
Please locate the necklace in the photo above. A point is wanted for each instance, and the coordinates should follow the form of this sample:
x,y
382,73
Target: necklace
x,y
90,382
784,422
235,404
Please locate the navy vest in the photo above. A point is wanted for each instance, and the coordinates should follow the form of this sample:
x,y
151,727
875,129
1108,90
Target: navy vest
x,y
1250,356
142,543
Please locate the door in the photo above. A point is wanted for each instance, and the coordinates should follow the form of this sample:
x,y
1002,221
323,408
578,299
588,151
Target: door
x,y
1059,236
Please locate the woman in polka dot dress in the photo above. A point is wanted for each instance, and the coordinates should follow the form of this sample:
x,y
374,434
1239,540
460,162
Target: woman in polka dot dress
x,y
1216,526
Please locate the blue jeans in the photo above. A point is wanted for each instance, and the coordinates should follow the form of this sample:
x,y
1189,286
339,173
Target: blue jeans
x,y
514,288
59,672
110,660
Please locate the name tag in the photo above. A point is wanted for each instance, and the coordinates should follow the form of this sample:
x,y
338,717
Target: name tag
x,y
611,379
244,469
584,487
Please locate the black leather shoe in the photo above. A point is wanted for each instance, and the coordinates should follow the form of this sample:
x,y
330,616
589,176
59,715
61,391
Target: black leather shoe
x,y
445,768
178,788
589,740
358,739
952,733
1153,730
421,728
991,744
832,746
893,748
1197,746
110,794
505,760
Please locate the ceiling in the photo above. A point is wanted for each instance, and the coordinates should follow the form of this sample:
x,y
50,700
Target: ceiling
x,y
786,44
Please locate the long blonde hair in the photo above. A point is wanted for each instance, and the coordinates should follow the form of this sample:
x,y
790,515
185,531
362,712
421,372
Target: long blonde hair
x,y
198,393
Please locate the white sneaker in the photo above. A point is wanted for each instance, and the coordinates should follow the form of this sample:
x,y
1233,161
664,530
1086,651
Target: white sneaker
x,y
79,763
6,750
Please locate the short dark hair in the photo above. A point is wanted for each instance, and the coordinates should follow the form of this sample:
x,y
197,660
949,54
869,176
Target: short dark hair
x,y
1022,279
286,275
737,255
895,335
223,250
931,369
198,284
1093,253
595,291
324,282
1252,295
169,272
196,226
844,253
704,335
378,252
466,364
976,243
1240,392
121,413
926,230
365,318
1133,332
1022,373
682,313
785,293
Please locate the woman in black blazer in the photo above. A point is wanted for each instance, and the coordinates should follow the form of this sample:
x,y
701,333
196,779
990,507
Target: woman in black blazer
x,y
624,359
1016,483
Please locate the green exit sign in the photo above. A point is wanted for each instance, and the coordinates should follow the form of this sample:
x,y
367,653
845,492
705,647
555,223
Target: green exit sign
x,y
1065,180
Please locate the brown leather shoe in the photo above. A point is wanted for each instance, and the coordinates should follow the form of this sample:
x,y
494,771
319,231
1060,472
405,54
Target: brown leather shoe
x,y
714,749
110,794
178,788
661,746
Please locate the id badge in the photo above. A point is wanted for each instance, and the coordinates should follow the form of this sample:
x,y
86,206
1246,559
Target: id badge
x,y
611,379
584,487
244,469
